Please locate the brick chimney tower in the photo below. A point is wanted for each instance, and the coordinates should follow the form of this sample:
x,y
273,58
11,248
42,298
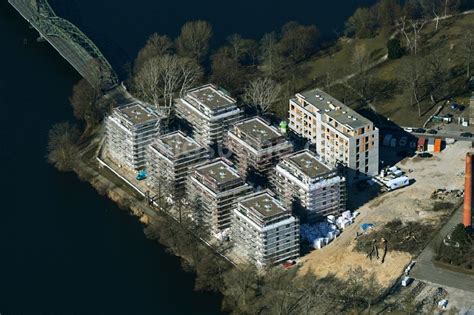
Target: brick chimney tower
x,y
467,218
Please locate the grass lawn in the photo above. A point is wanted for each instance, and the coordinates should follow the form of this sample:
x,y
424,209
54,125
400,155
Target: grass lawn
x,y
391,99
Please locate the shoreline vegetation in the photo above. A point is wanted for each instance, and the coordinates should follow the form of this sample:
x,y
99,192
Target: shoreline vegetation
x,y
395,63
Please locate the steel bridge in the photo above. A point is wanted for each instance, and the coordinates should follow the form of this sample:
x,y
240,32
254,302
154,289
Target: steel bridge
x,y
71,43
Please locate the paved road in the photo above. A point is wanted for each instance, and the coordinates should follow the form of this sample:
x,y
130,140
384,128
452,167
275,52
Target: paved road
x,y
426,271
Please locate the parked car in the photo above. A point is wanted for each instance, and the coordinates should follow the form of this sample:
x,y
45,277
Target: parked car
x,y
419,130
466,134
458,107
425,155
432,132
408,129
407,281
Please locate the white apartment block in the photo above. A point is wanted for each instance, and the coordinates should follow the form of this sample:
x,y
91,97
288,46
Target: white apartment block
x,y
171,158
129,131
308,187
209,111
214,188
263,231
257,146
340,134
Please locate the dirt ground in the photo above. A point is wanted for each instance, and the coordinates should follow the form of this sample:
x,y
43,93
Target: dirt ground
x,y
444,170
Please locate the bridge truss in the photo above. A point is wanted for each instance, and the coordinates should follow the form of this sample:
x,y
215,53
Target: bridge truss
x,y
69,41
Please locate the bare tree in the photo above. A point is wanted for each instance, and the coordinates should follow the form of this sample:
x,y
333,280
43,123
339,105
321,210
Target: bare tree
x,y
193,42
270,56
191,73
85,103
62,146
412,74
468,50
362,80
156,45
162,77
240,47
240,287
411,30
261,93
147,81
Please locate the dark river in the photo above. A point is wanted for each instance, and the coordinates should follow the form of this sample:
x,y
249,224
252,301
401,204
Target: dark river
x,y
64,248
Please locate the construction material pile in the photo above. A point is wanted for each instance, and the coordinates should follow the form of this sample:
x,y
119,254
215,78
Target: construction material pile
x,y
443,194
321,234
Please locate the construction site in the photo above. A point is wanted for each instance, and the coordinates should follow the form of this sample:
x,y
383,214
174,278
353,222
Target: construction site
x,y
170,160
264,231
309,187
213,188
209,111
130,129
256,146
402,221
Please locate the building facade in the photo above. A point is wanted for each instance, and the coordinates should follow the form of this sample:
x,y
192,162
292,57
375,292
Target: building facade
x,y
308,187
170,160
129,131
263,231
341,135
257,146
213,188
209,111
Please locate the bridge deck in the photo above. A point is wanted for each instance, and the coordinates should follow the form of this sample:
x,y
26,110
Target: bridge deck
x,y
96,70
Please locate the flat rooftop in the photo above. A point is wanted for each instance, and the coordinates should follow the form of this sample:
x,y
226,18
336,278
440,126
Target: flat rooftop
x,y
264,204
211,97
334,108
219,172
258,129
178,143
308,163
137,114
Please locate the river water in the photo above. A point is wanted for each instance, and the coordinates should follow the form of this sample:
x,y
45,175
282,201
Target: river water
x,y
64,248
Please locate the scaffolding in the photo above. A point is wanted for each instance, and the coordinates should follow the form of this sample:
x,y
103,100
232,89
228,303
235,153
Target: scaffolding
x,y
256,146
209,111
171,158
129,131
309,187
263,231
214,188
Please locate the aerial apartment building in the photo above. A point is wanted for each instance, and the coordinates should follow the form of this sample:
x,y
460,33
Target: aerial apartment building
x,y
263,231
257,146
209,111
308,187
129,131
170,160
341,135
215,187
